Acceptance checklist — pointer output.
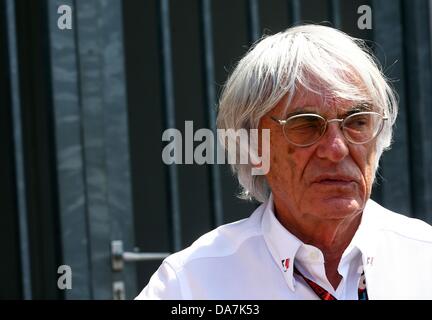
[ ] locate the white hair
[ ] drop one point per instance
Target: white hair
(310, 57)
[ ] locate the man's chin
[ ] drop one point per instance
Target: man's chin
(339, 206)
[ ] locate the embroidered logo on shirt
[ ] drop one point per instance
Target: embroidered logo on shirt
(285, 264)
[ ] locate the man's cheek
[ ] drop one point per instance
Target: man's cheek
(290, 149)
(292, 165)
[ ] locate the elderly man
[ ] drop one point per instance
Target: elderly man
(317, 235)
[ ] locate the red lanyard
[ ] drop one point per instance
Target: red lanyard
(325, 295)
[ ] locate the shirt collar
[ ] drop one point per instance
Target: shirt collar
(282, 244)
(285, 247)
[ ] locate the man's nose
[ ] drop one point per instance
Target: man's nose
(333, 145)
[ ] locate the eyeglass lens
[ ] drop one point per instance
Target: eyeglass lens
(357, 128)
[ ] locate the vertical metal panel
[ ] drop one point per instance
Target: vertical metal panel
(145, 115)
(335, 13)
(18, 143)
(70, 166)
(100, 46)
(92, 145)
(165, 30)
(92, 111)
(295, 10)
(395, 187)
(418, 63)
(11, 268)
(195, 186)
(116, 136)
(229, 47)
(39, 146)
(254, 20)
(430, 26)
(211, 105)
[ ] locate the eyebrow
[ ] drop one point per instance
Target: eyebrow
(359, 107)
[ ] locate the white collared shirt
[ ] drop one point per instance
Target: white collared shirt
(253, 259)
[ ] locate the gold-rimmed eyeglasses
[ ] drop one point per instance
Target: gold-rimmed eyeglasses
(303, 130)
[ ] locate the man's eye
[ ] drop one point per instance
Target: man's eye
(303, 123)
(310, 125)
(359, 122)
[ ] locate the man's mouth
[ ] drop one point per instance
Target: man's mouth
(334, 180)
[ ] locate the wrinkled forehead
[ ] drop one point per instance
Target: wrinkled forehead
(323, 101)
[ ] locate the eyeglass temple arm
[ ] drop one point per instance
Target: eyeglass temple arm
(278, 120)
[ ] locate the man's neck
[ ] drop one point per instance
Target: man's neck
(331, 236)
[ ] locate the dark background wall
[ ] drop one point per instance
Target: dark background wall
(82, 113)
